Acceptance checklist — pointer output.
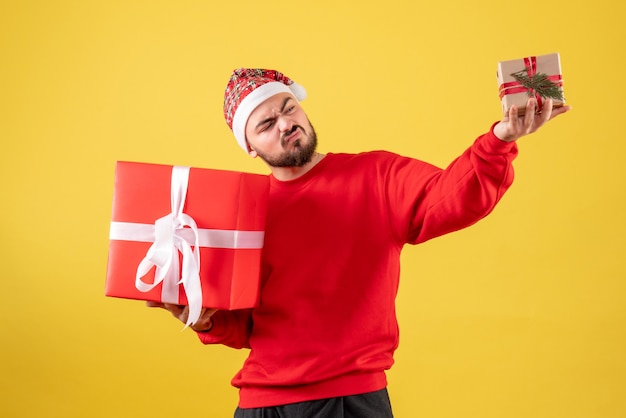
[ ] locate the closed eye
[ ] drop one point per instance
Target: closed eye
(265, 124)
(287, 107)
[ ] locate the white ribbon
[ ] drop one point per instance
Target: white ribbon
(163, 253)
(214, 238)
(174, 233)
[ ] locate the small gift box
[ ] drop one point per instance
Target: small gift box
(538, 77)
(187, 236)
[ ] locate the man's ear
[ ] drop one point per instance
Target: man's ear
(252, 153)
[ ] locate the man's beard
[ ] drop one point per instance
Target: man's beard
(302, 151)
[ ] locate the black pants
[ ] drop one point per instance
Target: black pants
(368, 405)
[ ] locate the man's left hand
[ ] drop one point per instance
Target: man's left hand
(512, 126)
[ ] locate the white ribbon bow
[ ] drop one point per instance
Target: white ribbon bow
(172, 237)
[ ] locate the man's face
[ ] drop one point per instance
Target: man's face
(280, 133)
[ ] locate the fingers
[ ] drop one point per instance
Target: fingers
(204, 322)
(176, 310)
(529, 116)
(512, 126)
(535, 117)
(205, 317)
(515, 126)
(546, 113)
(181, 312)
(207, 312)
(512, 115)
(559, 111)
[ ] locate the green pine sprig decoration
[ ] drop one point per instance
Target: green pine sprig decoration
(540, 84)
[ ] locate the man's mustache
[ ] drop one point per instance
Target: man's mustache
(291, 131)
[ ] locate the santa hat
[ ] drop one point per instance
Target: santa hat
(248, 88)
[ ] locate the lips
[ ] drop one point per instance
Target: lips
(292, 136)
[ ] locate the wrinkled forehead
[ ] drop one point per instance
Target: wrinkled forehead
(272, 106)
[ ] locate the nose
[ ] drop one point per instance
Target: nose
(285, 124)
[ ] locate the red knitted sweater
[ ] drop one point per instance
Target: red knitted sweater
(326, 325)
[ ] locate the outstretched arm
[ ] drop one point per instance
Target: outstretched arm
(470, 187)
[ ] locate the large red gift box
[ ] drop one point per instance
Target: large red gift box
(187, 236)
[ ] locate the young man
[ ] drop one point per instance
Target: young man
(325, 330)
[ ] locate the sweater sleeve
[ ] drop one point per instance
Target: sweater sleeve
(446, 200)
(230, 328)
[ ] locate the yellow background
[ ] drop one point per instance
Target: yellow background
(521, 315)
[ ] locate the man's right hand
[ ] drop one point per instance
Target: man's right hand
(203, 324)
